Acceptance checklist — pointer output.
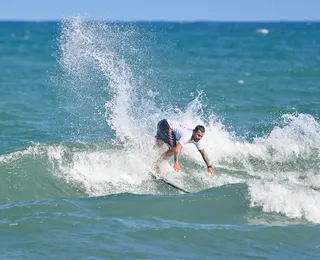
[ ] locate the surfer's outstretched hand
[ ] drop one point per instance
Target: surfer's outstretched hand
(176, 167)
(210, 170)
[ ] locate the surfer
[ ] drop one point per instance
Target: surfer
(176, 135)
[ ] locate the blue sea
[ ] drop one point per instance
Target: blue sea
(79, 105)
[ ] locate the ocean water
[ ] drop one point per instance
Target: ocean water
(79, 106)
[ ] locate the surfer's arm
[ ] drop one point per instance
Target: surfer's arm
(206, 160)
(177, 151)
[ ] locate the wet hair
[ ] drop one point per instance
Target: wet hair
(199, 127)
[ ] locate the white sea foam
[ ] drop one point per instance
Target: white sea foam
(287, 198)
(268, 163)
(262, 31)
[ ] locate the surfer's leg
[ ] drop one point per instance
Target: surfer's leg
(159, 143)
(167, 154)
(164, 135)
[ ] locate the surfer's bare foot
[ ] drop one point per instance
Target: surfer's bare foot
(156, 168)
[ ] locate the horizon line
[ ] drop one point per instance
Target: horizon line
(168, 20)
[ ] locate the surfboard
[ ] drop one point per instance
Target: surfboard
(169, 182)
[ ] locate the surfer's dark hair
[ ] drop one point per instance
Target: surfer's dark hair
(199, 127)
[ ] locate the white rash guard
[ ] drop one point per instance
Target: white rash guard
(184, 134)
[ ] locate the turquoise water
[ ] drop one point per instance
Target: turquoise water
(78, 110)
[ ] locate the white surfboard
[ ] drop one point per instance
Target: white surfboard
(168, 182)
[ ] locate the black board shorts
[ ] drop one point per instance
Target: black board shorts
(165, 133)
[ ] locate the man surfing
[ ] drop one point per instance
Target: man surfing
(176, 135)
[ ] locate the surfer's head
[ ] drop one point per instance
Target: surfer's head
(198, 133)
